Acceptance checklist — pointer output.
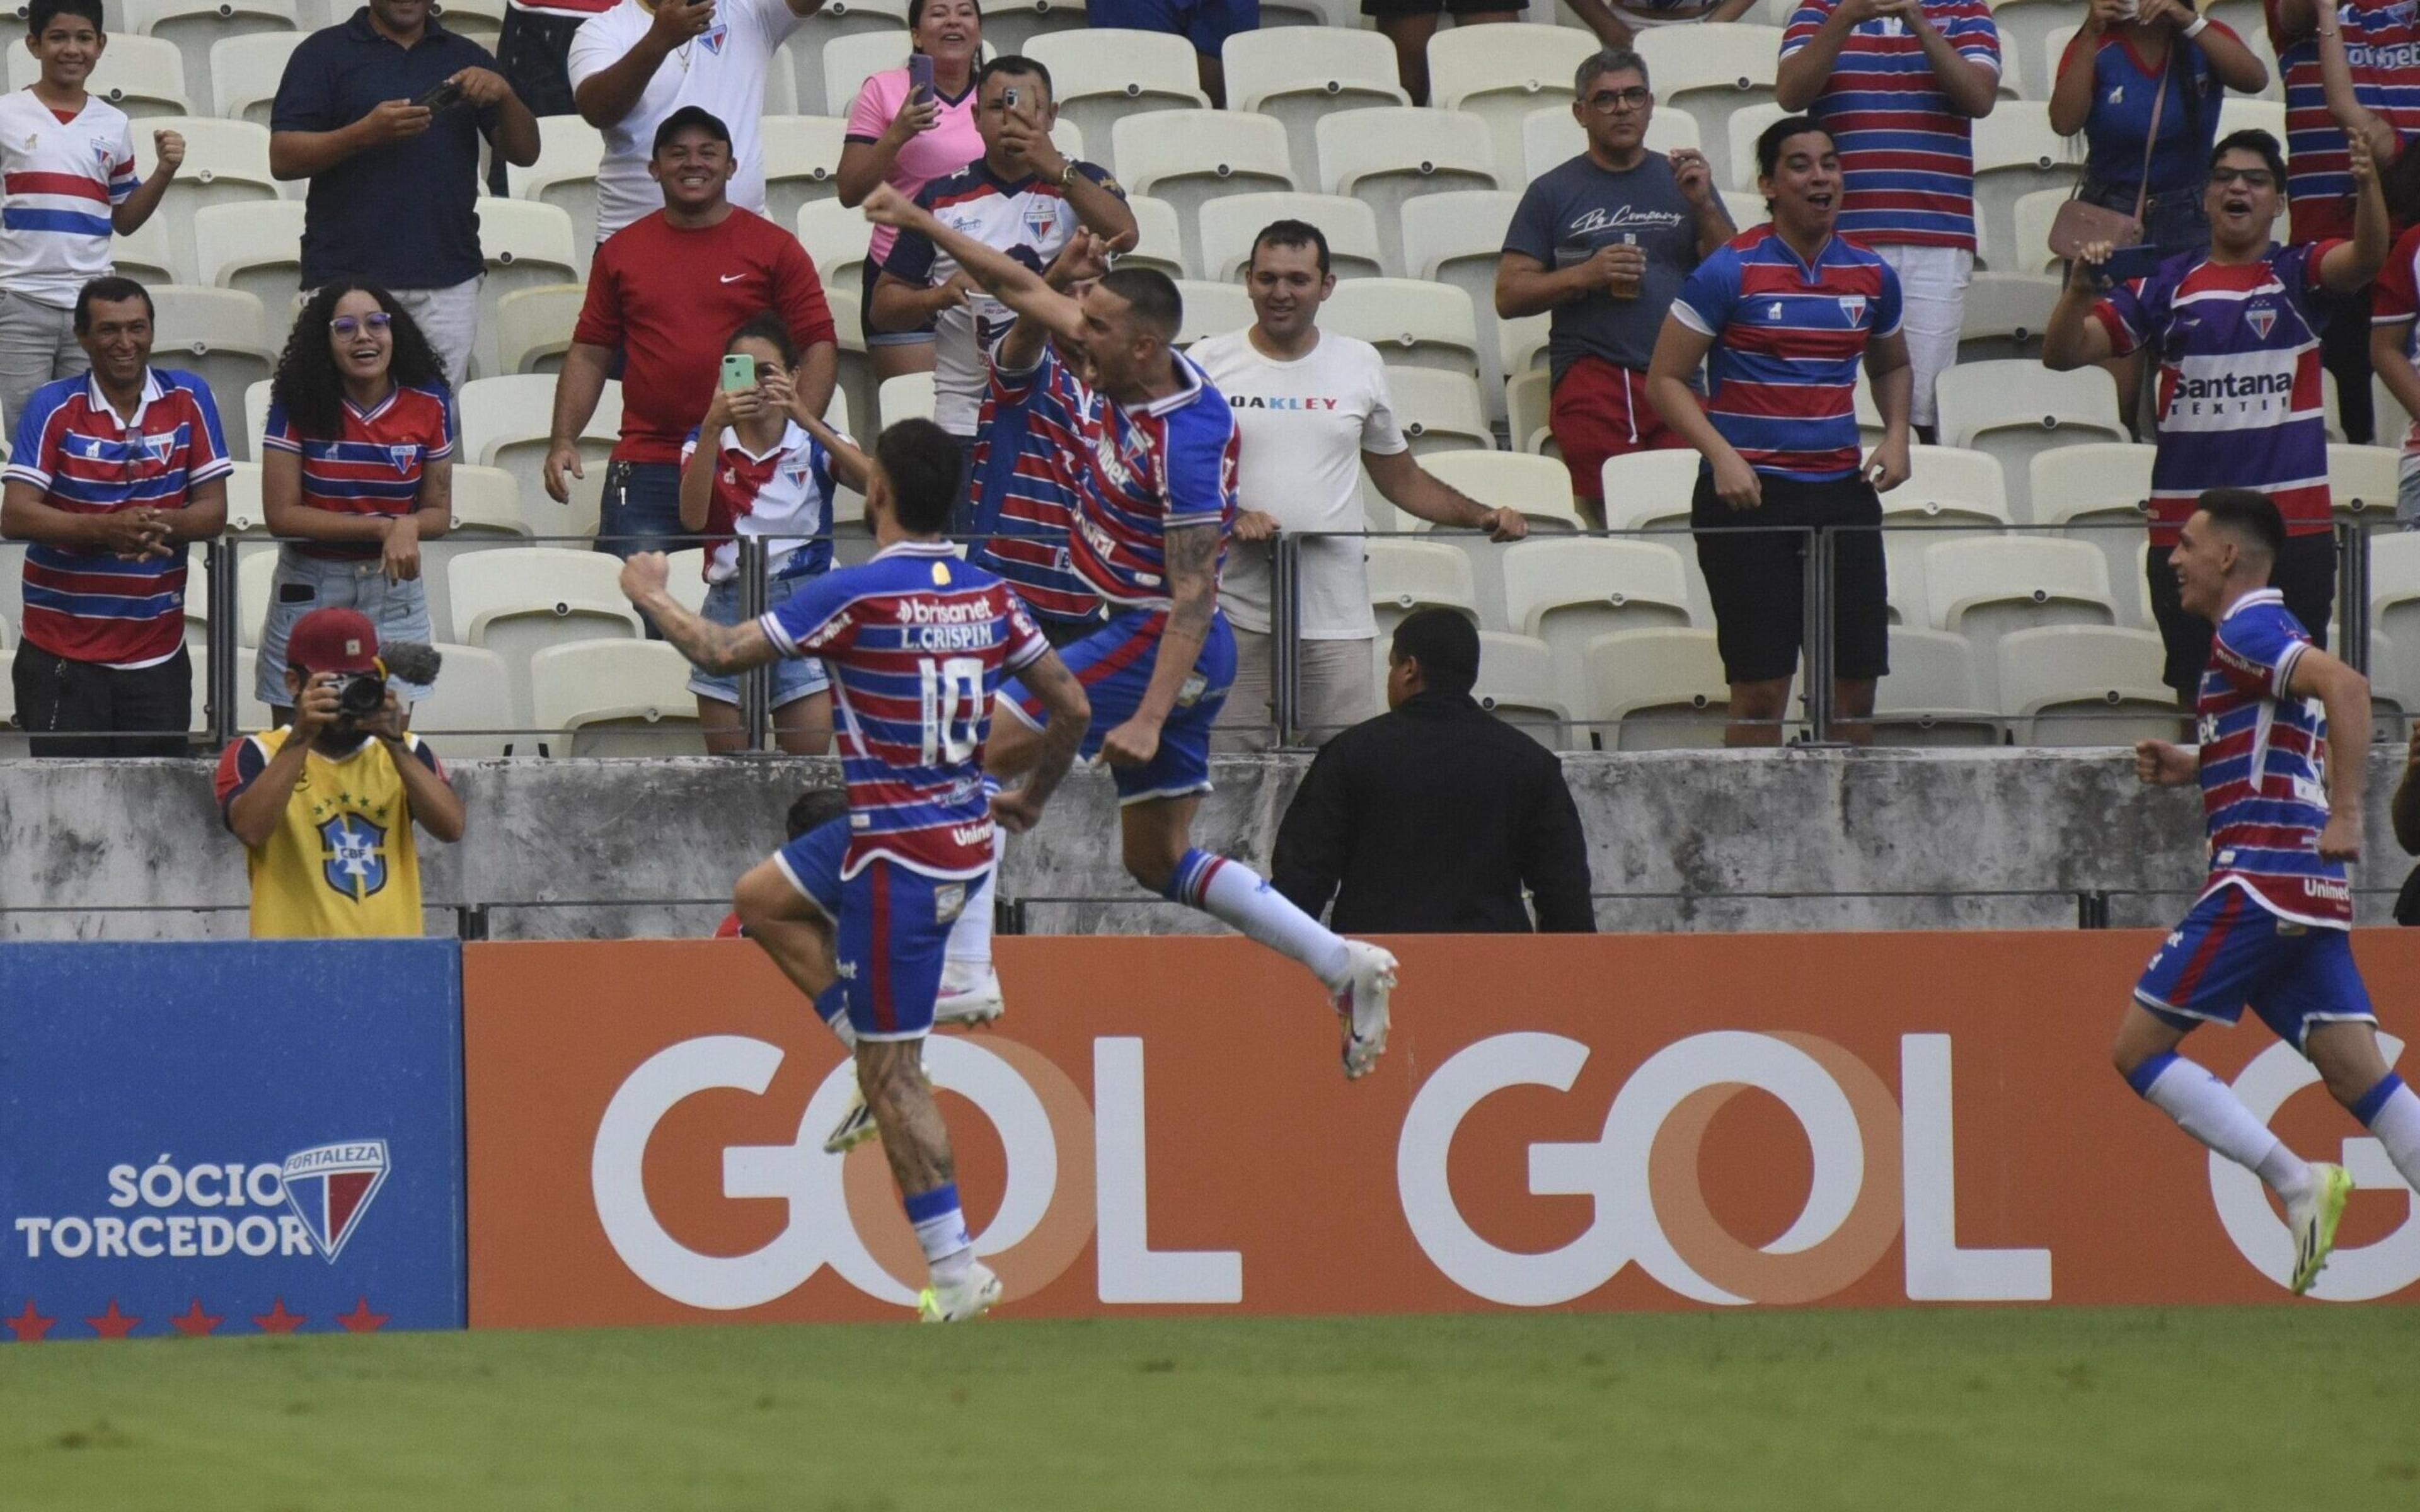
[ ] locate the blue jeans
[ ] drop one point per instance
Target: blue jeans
(793, 677)
(641, 510)
(399, 611)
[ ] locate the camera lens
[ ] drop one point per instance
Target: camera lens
(363, 695)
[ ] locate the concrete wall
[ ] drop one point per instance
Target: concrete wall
(1678, 840)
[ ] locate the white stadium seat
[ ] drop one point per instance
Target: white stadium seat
(615, 698)
(487, 504)
(257, 248)
(2025, 27)
(564, 174)
(1948, 485)
(1710, 70)
(834, 66)
(469, 713)
(1528, 405)
(801, 161)
(1106, 74)
(1413, 324)
(1503, 73)
(220, 334)
(226, 162)
(1741, 131)
(151, 254)
(907, 396)
(2016, 154)
(193, 26)
(142, 76)
(517, 601)
(1568, 594)
(534, 327)
(1517, 685)
(1408, 576)
(1657, 690)
(254, 424)
(1536, 486)
(2098, 493)
(1211, 309)
(837, 238)
(1932, 696)
(2033, 216)
(2239, 113)
(1232, 223)
(505, 421)
(1647, 489)
(2394, 614)
(1159, 237)
(245, 70)
(2362, 481)
(1296, 74)
(1187, 157)
(2016, 410)
(1437, 412)
(527, 245)
(1984, 587)
(1457, 238)
(2078, 685)
(2004, 317)
(1387, 156)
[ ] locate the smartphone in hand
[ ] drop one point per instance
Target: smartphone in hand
(738, 372)
(445, 94)
(920, 76)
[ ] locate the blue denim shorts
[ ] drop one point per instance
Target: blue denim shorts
(793, 677)
(399, 611)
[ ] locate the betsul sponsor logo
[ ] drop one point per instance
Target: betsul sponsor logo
(1880, 1169)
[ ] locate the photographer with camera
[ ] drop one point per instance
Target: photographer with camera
(325, 806)
(383, 113)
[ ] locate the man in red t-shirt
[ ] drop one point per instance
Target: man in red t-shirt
(667, 291)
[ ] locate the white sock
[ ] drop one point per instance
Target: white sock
(832, 1005)
(1237, 896)
(2392, 1110)
(942, 1230)
(2207, 1109)
(969, 943)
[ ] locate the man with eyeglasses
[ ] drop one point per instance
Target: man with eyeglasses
(112, 474)
(1601, 245)
(2236, 330)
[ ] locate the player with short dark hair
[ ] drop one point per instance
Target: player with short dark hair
(916, 642)
(2281, 783)
(1152, 470)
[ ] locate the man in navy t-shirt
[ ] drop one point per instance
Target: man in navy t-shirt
(1601, 243)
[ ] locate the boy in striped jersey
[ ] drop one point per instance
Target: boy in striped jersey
(1152, 470)
(2283, 752)
(916, 642)
(66, 170)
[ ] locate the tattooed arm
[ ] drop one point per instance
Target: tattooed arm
(718, 649)
(1192, 560)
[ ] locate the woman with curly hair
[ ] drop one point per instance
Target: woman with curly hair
(357, 469)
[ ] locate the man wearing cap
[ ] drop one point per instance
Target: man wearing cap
(325, 806)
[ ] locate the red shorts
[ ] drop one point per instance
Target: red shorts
(1600, 412)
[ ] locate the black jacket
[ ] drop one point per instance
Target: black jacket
(1429, 819)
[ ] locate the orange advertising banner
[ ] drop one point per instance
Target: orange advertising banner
(1608, 1122)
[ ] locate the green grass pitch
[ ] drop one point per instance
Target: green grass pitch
(2274, 1409)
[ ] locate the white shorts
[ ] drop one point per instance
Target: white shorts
(1932, 293)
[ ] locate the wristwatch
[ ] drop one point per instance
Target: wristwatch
(1068, 174)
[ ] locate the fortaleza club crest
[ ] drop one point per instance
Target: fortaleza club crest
(403, 456)
(1853, 307)
(331, 1187)
(2262, 319)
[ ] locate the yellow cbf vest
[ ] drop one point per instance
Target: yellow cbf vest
(341, 863)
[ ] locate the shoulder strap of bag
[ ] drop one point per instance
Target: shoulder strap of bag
(2152, 140)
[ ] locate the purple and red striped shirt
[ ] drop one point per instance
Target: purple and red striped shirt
(1907, 158)
(2381, 41)
(90, 606)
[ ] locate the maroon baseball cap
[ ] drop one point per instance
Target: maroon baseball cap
(334, 641)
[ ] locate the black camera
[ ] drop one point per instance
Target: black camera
(360, 695)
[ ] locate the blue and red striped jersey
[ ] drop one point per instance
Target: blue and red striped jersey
(2239, 401)
(916, 641)
(88, 605)
(1907, 158)
(1025, 499)
(2381, 41)
(1788, 338)
(2264, 790)
(375, 467)
(1137, 473)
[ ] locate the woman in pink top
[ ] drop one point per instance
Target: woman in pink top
(908, 142)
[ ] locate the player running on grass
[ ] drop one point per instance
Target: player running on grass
(1153, 475)
(2281, 784)
(917, 642)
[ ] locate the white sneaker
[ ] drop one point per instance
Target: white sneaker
(855, 1128)
(962, 1303)
(2314, 1221)
(969, 994)
(1362, 1004)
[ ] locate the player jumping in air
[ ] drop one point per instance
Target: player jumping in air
(916, 642)
(2281, 785)
(1153, 473)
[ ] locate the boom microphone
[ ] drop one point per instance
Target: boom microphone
(409, 661)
